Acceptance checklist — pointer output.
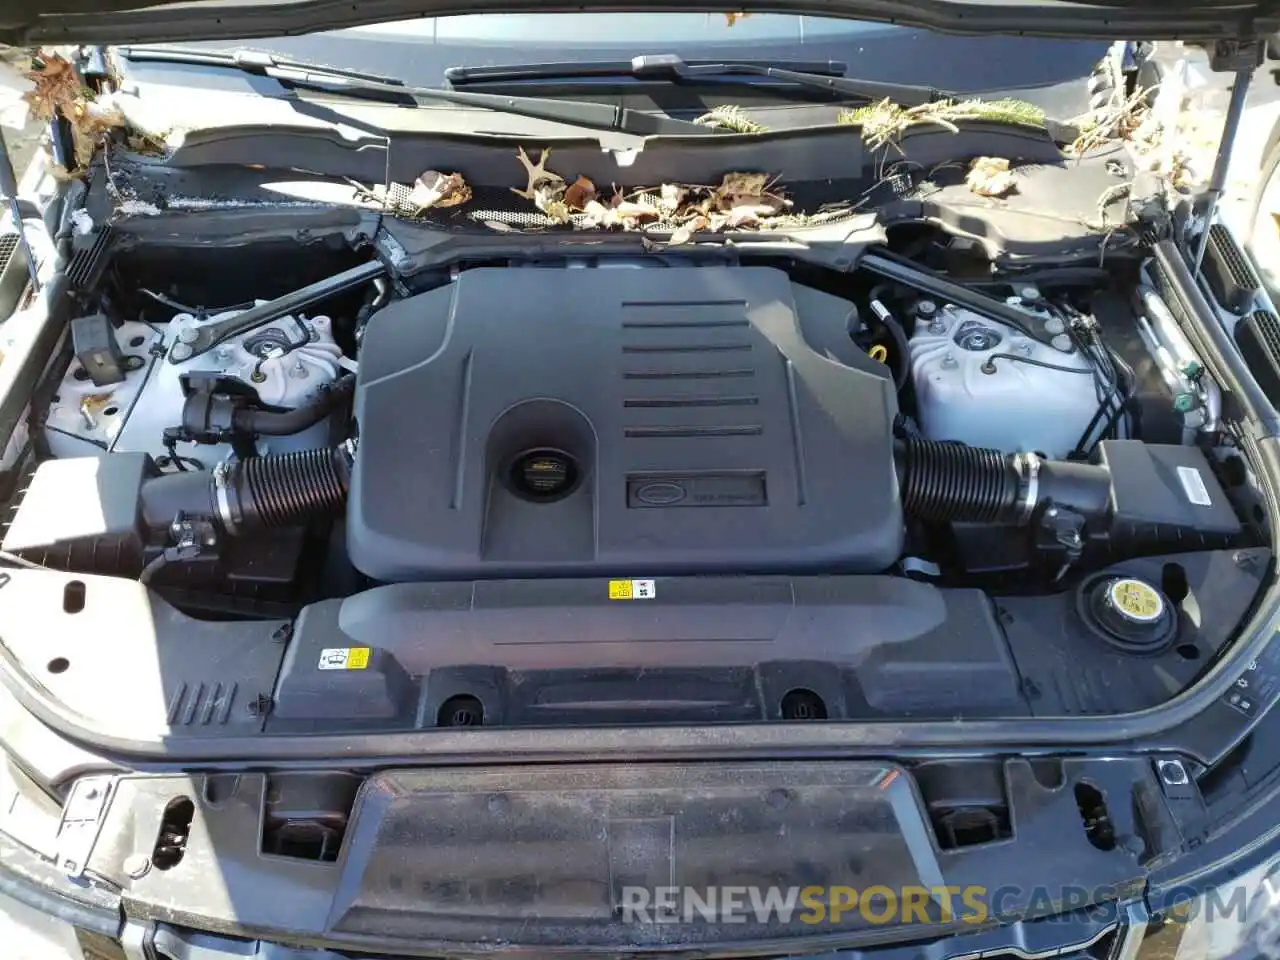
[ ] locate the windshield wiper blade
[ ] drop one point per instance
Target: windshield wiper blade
(578, 113)
(574, 69)
(827, 76)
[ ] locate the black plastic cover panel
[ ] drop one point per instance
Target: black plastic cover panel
(566, 421)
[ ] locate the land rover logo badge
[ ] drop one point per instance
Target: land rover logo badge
(661, 493)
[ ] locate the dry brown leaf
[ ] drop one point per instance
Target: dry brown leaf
(56, 87)
(671, 197)
(579, 193)
(749, 214)
(549, 198)
(545, 188)
(732, 18)
(537, 173)
(735, 185)
(59, 92)
(436, 189)
(629, 214)
(990, 177)
(596, 214)
(684, 233)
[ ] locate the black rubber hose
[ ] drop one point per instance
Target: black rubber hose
(953, 482)
(286, 489)
(282, 490)
(285, 423)
(956, 483)
(884, 316)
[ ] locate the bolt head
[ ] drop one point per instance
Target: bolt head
(136, 865)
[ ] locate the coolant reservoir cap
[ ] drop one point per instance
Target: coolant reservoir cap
(1135, 600)
(1129, 613)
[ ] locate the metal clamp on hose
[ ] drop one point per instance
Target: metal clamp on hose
(957, 483)
(1028, 467)
(220, 482)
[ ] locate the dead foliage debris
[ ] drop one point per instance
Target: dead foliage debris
(732, 117)
(58, 92)
(1119, 121)
(884, 122)
(990, 177)
(435, 189)
(740, 201)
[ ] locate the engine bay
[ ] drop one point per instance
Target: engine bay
(895, 474)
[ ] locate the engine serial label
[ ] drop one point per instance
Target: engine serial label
(632, 590)
(344, 658)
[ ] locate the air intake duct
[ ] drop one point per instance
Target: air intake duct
(260, 493)
(957, 483)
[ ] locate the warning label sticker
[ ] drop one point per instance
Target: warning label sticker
(344, 658)
(1193, 486)
(632, 590)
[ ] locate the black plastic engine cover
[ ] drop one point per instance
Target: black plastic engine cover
(566, 421)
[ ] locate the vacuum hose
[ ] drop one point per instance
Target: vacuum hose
(957, 483)
(281, 490)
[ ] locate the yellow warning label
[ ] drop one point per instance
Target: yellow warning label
(1137, 600)
(344, 658)
(632, 590)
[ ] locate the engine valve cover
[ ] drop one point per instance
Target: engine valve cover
(570, 421)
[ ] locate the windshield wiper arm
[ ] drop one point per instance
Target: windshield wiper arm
(578, 113)
(822, 75)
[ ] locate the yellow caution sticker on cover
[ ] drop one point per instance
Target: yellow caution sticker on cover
(1136, 600)
(632, 590)
(345, 658)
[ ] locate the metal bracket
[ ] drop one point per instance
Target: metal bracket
(82, 817)
(1232, 56)
(194, 341)
(138, 940)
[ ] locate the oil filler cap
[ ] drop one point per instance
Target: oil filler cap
(1129, 613)
(544, 475)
